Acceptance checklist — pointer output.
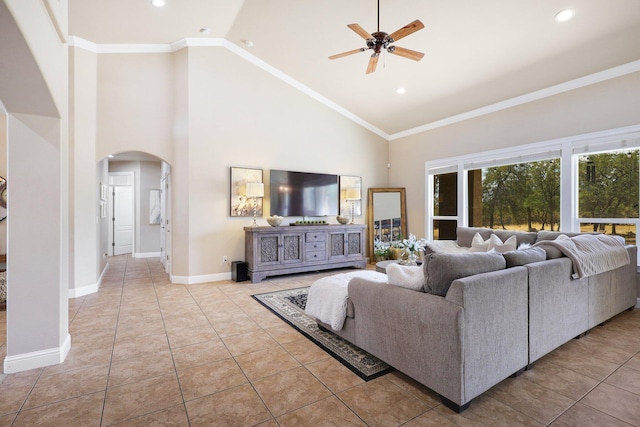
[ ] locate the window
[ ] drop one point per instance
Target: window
(585, 183)
(523, 196)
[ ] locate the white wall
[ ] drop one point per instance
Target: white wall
(3, 173)
(606, 105)
(34, 92)
(84, 207)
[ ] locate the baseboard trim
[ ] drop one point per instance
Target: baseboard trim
(146, 255)
(88, 289)
(37, 359)
(191, 280)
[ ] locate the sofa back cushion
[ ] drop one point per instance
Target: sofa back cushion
(465, 235)
(440, 269)
(525, 256)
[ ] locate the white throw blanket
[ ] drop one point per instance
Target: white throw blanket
(327, 299)
(591, 253)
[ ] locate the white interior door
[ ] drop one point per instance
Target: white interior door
(122, 219)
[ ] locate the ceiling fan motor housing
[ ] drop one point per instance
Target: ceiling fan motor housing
(380, 40)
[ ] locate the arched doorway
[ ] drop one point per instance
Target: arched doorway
(139, 206)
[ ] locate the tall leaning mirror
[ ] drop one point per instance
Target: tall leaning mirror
(386, 216)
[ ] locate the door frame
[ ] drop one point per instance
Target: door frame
(132, 180)
(165, 240)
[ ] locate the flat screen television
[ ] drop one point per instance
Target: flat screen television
(303, 193)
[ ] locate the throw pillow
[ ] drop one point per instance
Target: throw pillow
(524, 256)
(478, 244)
(441, 269)
(406, 276)
(499, 246)
(521, 236)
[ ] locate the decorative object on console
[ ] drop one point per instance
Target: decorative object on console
(239, 204)
(342, 219)
(274, 220)
(255, 190)
(352, 195)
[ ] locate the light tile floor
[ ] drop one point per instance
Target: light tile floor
(146, 352)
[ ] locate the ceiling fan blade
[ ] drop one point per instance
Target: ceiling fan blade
(360, 31)
(407, 53)
(372, 63)
(406, 30)
(351, 52)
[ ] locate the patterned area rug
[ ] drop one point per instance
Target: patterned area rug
(289, 306)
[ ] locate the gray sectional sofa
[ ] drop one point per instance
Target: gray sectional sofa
(486, 326)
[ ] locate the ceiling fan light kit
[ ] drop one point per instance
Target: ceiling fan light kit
(380, 41)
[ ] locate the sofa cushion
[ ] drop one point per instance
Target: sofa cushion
(406, 276)
(433, 246)
(525, 256)
(440, 269)
(465, 234)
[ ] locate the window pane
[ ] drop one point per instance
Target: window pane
(608, 185)
(524, 196)
(628, 231)
(445, 194)
(444, 229)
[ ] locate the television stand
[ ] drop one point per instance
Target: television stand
(274, 251)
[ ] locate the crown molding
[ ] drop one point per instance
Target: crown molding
(219, 42)
(590, 79)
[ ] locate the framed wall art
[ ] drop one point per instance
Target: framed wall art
(350, 192)
(154, 207)
(240, 204)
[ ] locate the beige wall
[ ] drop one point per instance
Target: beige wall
(84, 205)
(606, 105)
(204, 110)
(135, 104)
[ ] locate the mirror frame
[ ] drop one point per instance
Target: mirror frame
(370, 214)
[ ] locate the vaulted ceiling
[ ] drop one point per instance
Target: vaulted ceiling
(477, 53)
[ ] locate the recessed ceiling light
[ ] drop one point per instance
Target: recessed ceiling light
(158, 3)
(565, 15)
(401, 90)
(247, 43)
(110, 156)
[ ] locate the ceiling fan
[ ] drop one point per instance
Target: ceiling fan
(381, 40)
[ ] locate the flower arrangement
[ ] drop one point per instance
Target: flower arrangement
(380, 250)
(414, 244)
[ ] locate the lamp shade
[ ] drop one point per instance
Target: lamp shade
(352, 194)
(255, 189)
